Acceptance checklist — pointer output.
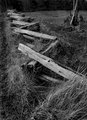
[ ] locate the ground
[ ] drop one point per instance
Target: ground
(21, 91)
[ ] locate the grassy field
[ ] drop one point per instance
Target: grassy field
(54, 17)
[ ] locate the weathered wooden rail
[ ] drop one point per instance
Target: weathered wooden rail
(35, 34)
(49, 63)
(21, 23)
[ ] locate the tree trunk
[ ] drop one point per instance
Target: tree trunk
(74, 1)
(75, 12)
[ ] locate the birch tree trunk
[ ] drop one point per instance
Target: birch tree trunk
(75, 12)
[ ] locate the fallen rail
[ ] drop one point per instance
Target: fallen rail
(35, 34)
(49, 63)
(24, 23)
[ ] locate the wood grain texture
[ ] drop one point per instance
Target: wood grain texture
(35, 34)
(49, 63)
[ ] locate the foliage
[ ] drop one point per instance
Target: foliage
(42, 4)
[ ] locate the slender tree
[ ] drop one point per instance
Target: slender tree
(75, 12)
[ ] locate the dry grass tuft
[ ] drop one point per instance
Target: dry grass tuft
(67, 103)
(23, 95)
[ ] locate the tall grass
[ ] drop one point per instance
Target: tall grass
(23, 93)
(67, 103)
(22, 96)
(20, 93)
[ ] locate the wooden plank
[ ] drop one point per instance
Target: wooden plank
(49, 63)
(52, 45)
(29, 37)
(32, 63)
(24, 23)
(27, 19)
(30, 45)
(35, 34)
(15, 33)
(48, 78)
(23, 27)
(11, 11)
(15, 17)
(15, 14)
(20, 18)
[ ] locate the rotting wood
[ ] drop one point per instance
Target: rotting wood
(30, 45)
(15, 32)
(49, 63)
(48, 78)
(16, 17)
(11, 11)
(27, 19)
(33, 62)
(30, 64)
(20, 18)
(32, 27)
(23, 27)
(29, 37)
(24, 23)
(12, 27)
(52, 45)
(35, 34)
(15, 14)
